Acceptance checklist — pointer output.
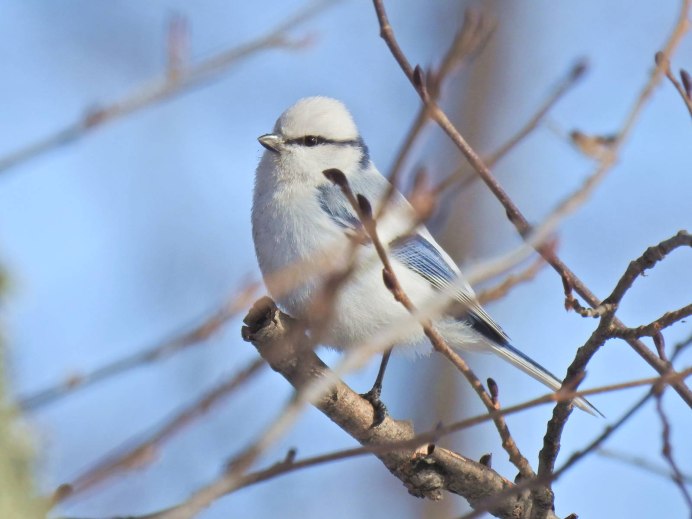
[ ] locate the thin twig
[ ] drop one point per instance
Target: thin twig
(663, 61)
(654, 327)
(640, 462)
(667, 447)
(417, 79)
(469, 41)
(142, 451)
(362, 207)
(165, 349)
(604, 331)
(502, 289)
(576, 72)
(167, 86)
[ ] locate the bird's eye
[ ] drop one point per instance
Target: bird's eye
(310, 140)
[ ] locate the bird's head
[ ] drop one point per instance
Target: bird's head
(315, 134)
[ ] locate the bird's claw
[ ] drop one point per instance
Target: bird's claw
(378, 407)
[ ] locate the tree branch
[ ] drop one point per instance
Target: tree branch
(165, 87)
(426, 472)
(165, 349)
(361, 205)
(604, 331)
(142, 452)
(417, 79)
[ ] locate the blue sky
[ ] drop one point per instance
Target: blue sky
(140, 228)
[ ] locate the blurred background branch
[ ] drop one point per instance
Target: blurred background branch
(120, 239)
(178, 79)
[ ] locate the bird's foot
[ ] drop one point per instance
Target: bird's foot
(380, 410)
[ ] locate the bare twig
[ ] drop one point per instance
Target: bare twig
(143, 450)
(667, 447)
(417, 79)
(502, 289)
(362, 207)
(640, 462)
(663, 62)
(350, 413)
(604, 331)
(654, 327)
(167, 86)
(568, 82)
(469, 40)
(646, 261)
(196, 335)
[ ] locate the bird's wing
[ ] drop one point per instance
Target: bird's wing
(333, 202)
(367, 182)
(423, 256)
(418, 251)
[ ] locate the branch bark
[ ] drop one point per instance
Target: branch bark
(426, 471)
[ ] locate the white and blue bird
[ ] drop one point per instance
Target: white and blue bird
(298, 215)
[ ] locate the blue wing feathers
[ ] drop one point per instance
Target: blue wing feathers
(423, 258)
(333, 202)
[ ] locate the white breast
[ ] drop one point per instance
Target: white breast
(293, 238)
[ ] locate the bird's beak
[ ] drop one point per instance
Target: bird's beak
(270, 141)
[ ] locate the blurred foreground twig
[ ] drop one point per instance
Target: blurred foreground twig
(169, 85)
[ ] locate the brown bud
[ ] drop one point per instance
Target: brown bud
(686, 82)
(579, 69)
(365, 207)
(290, 456)
(494, 390)
(418, 77)
(389, 279)
(487, 460)
(661, 59)
(660, 344)
(336, 177)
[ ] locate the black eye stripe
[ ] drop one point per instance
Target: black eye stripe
(315, 140)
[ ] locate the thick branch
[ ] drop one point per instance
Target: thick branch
(425, 472)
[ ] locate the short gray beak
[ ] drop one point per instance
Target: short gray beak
(270, 141)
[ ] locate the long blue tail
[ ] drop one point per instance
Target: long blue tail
(531, 367)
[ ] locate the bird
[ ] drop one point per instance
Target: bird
(298, 215)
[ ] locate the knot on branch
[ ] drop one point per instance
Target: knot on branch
(277, 337)
(426, 479)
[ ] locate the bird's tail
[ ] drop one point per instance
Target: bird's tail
(531, 367)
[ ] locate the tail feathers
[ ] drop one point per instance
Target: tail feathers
(531, 367)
